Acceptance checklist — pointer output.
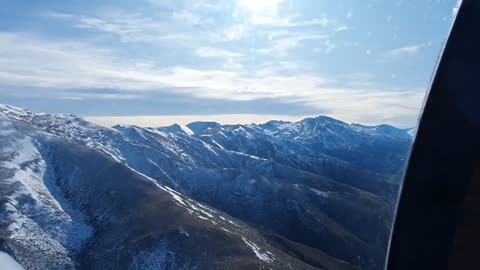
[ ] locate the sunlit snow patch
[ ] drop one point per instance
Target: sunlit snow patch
(264, 256)
(8, 263)
(35, 216)
(319, 192)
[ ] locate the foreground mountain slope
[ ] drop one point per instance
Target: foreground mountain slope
(305, 207)
(67, 206)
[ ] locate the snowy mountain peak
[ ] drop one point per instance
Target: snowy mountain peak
(23, 114)
(411, 131)
(274, 125)
(121, 127)
(11, 108)
(177, 128)
(13, 111)
(322, 119)
(199, 126)
(383, 129)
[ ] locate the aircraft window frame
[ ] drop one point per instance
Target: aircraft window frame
(444, 156)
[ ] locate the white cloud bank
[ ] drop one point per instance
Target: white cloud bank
(29, 61)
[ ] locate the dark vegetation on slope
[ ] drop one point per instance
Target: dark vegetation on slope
(130, 213)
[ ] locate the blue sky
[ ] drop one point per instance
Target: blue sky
(230, 60)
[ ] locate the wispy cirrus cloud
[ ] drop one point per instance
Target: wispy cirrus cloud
(190, 18)
(342, 28)
(289, 22)
(180, 28)
(135, 26)
(404, 50)
(215, 52)
(281, 45)
(407, 50)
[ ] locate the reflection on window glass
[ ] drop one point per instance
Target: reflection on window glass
(239, 134)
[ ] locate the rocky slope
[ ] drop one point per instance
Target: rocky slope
(314, 193)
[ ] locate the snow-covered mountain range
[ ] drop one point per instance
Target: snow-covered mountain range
(316, 194)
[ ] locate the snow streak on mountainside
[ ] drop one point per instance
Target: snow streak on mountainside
(319, 190)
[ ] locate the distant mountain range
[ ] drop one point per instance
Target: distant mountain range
(315, 194)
